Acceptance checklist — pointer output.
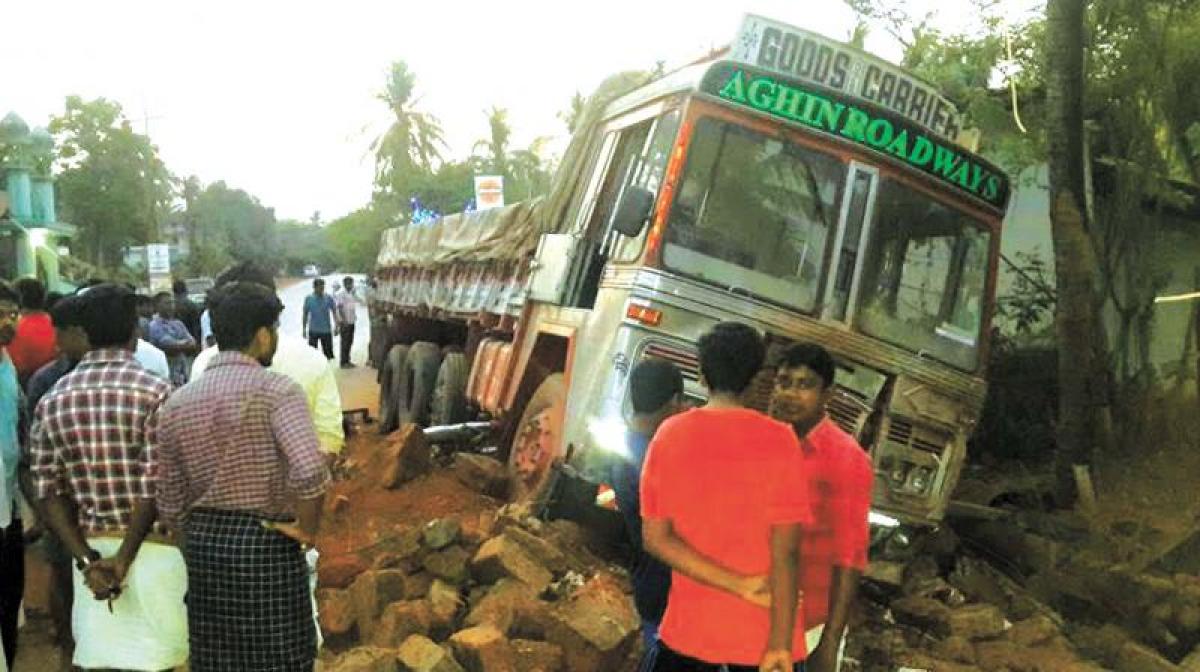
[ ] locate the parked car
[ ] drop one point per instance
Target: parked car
(312, 271)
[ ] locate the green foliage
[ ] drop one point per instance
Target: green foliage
(226, 225)
(354, 239)
(111, 182)
(303, 243)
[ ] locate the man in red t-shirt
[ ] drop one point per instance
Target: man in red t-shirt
(724, 497)
(840, 473)
(34, 344)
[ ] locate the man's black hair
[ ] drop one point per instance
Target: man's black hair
(163, 295)
(245, 271)
(7, 293)
(731, 354)
(67, 312)
(179, 287)
(92, 282)
(142, 299)
(239, 310)
(53, 298)
(814, 357)
(32, 292)
(652, 383)
(319, 281)
(108, 315)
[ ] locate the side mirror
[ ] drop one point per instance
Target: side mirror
(632, 210)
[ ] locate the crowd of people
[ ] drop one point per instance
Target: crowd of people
(160, 468)
(751, 529)
(163, 469)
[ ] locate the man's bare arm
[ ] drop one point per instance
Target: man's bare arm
(784, 582)
(661, 541)
(842, 591)
(62, 522)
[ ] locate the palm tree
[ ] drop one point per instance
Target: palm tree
(495, 146)
(413, 141)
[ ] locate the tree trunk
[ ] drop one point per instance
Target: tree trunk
(1082, 394)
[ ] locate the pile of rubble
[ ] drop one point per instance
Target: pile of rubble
(496, 592)
(948, 609)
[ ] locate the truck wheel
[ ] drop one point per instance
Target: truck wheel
(389, 389)
(449, 392)
(420, 375)
(377, 347)
(537, 442)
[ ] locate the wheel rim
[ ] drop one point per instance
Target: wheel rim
(534, 450)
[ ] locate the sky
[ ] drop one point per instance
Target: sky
(279, 98)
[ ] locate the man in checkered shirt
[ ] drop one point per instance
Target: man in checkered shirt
(92, 441)
(242, 479)
(834, 547)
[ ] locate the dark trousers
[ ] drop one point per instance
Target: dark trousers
(346, 340)
(326, 341)
(667, 660)
(12, 585)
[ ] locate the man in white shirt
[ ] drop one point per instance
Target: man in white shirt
(346, 309)
(296, 360)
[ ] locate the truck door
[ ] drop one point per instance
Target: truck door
(850, 241)
(638, 155)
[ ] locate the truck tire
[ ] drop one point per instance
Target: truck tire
(389, 388)
(537, 443)
(449, 404)
(377, 347)
(419, 377)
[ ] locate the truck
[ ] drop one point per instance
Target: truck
(787, 181)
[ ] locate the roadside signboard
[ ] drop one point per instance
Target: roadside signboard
(489, 191)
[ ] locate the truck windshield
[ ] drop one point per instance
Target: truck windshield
(754, 213)
(924, 278)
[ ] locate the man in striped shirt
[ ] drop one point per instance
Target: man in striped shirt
(93, 442)
(243, 480)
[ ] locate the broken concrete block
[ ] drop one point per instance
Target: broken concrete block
(977, 621)
(421, 654)
(449, 564)
(444, 602)
(371, 592)
(407, 456)
(996, 654)
(886, 572)
(1192, 662)
(483, 649)
(1033, 630)
(923, 612)
(366, 659)
(440, 533)
(543, 551)
(418, 585)
(956, 649)
(534, 656)
(595, 628)
(481, 473)
(1137, 658)
(340, 572)
(503, 605)
(400, 621)
(335, 611)
(502, 556)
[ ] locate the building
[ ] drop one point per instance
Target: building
(31, 237)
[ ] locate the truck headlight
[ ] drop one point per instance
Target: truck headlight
(919, 479)
(608, 434)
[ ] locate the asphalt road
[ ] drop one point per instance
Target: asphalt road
(293, 296)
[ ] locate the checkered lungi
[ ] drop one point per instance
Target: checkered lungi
(248, 601)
